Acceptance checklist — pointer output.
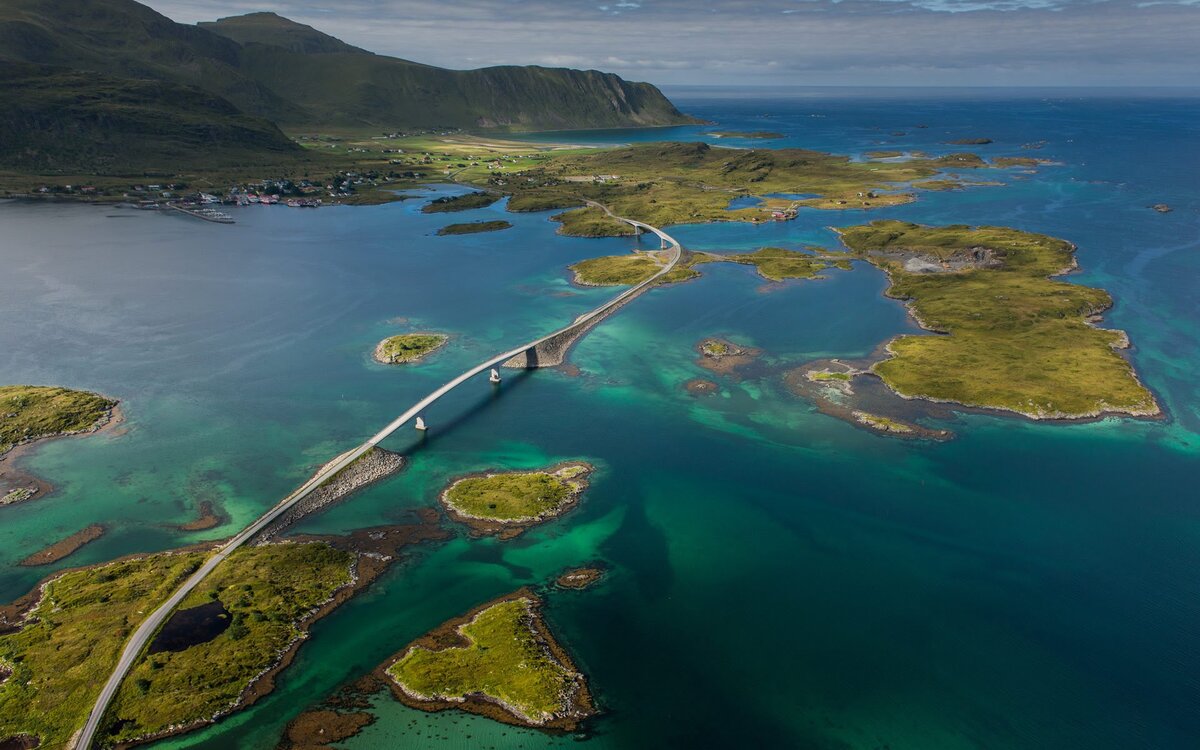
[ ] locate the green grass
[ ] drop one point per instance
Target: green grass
(591, 222)
(1018, 340)
(267, 590)
(613, 270)
(467, 202)
(60, 659)
(408, 347)
(673, 183)
(513, 496)
(503, 661)
(28, 412)
(715, 348)
(474, 227)
(534, 201)
(829, 376)
(881, 423)
(777, 263)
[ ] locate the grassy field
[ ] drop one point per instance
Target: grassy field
(504, 659)
(29, 412)
(1017, 339)
(451, 203)
(408, 347)
(614, 270)
(517, 495)
(777, 263)
(268, 590)
(62, 656)
(591, 222)
(474, 227)
(672, 183)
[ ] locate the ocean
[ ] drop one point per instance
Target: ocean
(776, 577)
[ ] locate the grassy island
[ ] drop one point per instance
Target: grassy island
(408, 347)
(777, 263)
(474, 227)
(675, 183)
(512, 501)
(31, 412)
(452, 203)
(1016, 339)
(634, 268)
(500, 661)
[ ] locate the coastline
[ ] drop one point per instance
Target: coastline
(379, 358)
(1091, 318)
(513, 527)
(375, 550)
(449, 635)
(14, 477)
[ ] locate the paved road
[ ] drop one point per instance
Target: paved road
(141, 637)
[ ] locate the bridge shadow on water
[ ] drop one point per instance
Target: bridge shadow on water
(437, 430)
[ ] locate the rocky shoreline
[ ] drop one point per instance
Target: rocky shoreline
(374, 466)
(725, 357)
(577, 697)
(18, 485)
(511, 528)
(375, 550)
(1092, 318)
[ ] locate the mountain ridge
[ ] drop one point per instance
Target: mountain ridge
(293, 74)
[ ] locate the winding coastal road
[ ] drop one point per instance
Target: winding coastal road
(142, 636)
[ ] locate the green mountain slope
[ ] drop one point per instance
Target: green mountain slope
(290, 73)
(125, 39)
(60, 121)
(337, 83)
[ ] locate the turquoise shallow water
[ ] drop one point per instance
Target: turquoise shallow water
(778, 578)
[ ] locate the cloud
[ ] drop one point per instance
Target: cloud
(869, 42)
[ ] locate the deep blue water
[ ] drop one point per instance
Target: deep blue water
(778, 577)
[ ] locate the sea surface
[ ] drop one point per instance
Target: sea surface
(777, 578)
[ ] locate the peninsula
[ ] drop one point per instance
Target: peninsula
(499, 660)
(1013, 337)
(29, 413)
(218, 653)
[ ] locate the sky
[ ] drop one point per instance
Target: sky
(773, 42)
